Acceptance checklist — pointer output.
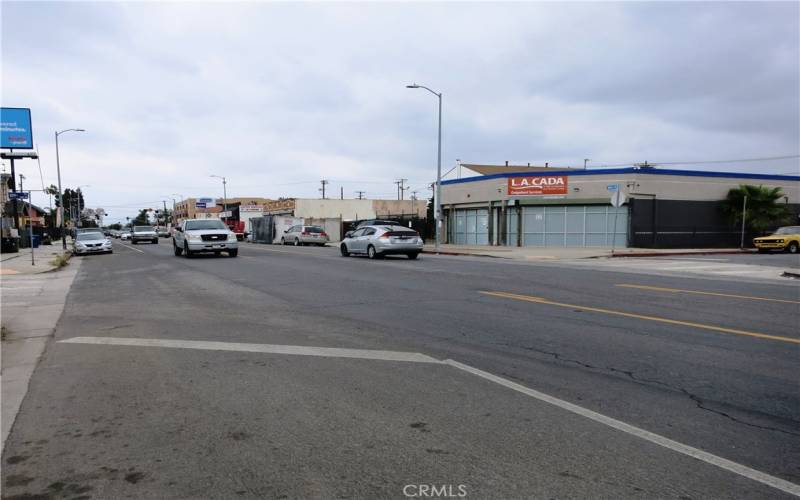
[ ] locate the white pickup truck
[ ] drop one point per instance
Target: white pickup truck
(204, 235)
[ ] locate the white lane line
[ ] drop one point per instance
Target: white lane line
(742, 470)
(330, 352)
(134, 249)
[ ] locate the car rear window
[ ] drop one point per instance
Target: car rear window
(314, 229)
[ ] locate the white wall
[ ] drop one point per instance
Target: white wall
(325, 209)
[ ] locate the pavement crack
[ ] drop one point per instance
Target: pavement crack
(699, 402)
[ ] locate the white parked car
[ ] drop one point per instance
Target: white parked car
(86, 243)
(377, 241)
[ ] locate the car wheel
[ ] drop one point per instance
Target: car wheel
(233, 253)
(155, 241)
(297, 242)
(178, 250)
(793, 247)
(344, 251)
(133, 242)
(283, 242)
(187, 251)
(372, 253)
(413, 255)
(217, 254)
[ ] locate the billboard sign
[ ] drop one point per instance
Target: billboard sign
(15, 128)
(18, 195)
(203, 202)
(537, 185)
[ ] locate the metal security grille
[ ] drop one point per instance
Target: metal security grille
(571, 226)
(471, 227)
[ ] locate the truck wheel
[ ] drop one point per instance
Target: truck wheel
(793, 247)
(155, 241)
(233, 253)
(178, 250)
(133, 242)
(187, 251)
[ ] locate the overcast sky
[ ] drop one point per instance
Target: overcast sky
(277, 96)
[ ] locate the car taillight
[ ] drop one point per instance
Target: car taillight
(305, 233)
(323, 233)
(386, 236)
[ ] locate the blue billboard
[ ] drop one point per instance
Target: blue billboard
(15, 128)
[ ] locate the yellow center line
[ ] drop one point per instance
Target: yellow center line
(698, 292)
(540, 300)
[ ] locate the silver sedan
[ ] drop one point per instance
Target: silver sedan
(86, 243)
(377, 241)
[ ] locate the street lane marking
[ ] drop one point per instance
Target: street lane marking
(421, 358)
(329, 352)
(742, 470)
(698, 292)
(539, 300)
(134, 249)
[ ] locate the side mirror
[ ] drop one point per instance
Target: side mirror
(285, 231)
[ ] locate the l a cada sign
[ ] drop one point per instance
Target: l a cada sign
(537, 185)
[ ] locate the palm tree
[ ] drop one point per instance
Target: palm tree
(763, 208)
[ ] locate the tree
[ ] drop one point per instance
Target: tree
(765, 209)
(143, 219)
(116, 226)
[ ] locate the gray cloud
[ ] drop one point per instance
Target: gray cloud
(278, 96)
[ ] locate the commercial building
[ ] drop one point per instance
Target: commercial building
(538, 206)
(187, 208)
(315, 208)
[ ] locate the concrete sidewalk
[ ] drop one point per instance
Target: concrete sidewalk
(558, 253)
(20, 262)
(31, 305)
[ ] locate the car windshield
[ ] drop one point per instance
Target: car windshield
(205, 224)
(143, 228)
(788, 230)
(89, 236)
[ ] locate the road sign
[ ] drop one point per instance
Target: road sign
(15, 128)
(19, 195)
(617, 199)
(199, 204)
(613, 188)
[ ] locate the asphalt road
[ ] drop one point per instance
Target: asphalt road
(207, 411)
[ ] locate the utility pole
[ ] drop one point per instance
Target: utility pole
(400, 188)
(744, 217)
(360, 194)
(324, 183)
(341, 193)
(414, 195)
(585, 161)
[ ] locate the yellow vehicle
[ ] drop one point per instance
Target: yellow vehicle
(785, 238)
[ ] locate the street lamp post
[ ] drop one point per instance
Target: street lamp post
(224, 196)
(437, 207)
(60, 191)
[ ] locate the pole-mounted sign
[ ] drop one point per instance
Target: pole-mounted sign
(15, 128)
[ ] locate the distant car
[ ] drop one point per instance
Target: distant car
(162, 232)
(377, 241)
(304, 235)
(91, 242)
(88, 230)
(377, 222)
(784, 238)
(125, 235)
(204, 235)
(143, 233)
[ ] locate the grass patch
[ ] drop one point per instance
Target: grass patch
(60, 261)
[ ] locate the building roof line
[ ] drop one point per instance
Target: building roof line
(638, 171)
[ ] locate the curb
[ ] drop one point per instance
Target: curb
(666, 254)
(434, 252)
